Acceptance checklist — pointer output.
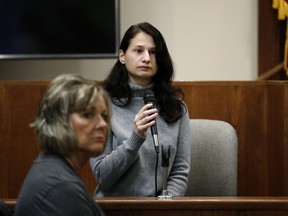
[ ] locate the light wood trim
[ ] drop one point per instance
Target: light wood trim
(272, 72)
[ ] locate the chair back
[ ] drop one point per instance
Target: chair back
(213, 167)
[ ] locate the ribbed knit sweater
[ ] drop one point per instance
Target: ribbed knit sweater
(127, 166)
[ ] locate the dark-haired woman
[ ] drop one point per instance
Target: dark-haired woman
(128, 165)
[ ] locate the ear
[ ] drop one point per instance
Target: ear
(121, 56)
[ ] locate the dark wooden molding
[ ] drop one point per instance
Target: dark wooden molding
(271, 39)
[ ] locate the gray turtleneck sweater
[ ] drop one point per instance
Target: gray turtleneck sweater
(127, 166)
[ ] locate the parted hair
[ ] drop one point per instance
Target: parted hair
(65, 95)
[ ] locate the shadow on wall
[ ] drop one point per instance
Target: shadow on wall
(36, 69)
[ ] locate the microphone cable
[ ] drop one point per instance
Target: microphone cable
(156, 168)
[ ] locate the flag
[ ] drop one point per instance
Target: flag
(282, 7)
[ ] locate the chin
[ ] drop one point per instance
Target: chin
(97, 151)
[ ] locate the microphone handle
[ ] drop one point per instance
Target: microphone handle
(154, 133)
(156, 143)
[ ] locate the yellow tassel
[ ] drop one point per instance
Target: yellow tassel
(286, 8)
(275, 4)
(282, 7)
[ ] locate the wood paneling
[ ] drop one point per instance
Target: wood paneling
(257, 110)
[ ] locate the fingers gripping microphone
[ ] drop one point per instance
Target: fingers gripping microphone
(150, 98)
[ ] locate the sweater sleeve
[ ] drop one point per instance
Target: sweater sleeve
(113, 163)
(178, 176)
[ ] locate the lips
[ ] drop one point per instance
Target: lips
(99, 139)
(144, 68)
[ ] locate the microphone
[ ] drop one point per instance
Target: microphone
(150, 98)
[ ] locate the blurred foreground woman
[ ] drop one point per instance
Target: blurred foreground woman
(72, 124)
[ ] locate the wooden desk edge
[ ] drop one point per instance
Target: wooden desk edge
(186, 203)
(194, 203)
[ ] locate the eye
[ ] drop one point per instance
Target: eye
(105, 116)
(138, 51)
(153, 52)
(88, 115)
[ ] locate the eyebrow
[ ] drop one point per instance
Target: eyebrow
(140, 46)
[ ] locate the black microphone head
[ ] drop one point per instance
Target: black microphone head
(149, 97)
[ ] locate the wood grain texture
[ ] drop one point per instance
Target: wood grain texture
(256, 109)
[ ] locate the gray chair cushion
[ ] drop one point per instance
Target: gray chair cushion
(214, 150)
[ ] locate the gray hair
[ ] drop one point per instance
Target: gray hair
(65, 94)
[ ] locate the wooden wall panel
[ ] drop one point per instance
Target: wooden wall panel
(19, 144)
(285, 153)
(257, 110)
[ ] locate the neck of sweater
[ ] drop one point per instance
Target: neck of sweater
(138, 90)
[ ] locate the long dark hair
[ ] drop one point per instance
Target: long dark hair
(167, 95)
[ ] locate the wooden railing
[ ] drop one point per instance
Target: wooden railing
(258, 110)
(204, 206)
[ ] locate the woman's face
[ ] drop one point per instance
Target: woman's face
(91, 128)
(140, 59)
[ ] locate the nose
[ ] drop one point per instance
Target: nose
(146, 56)
(100, 123)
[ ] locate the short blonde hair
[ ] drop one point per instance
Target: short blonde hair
(66, 94)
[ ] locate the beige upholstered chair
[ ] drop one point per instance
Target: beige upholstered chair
(214, 149)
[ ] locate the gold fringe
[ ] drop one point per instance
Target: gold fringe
(282, 6)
